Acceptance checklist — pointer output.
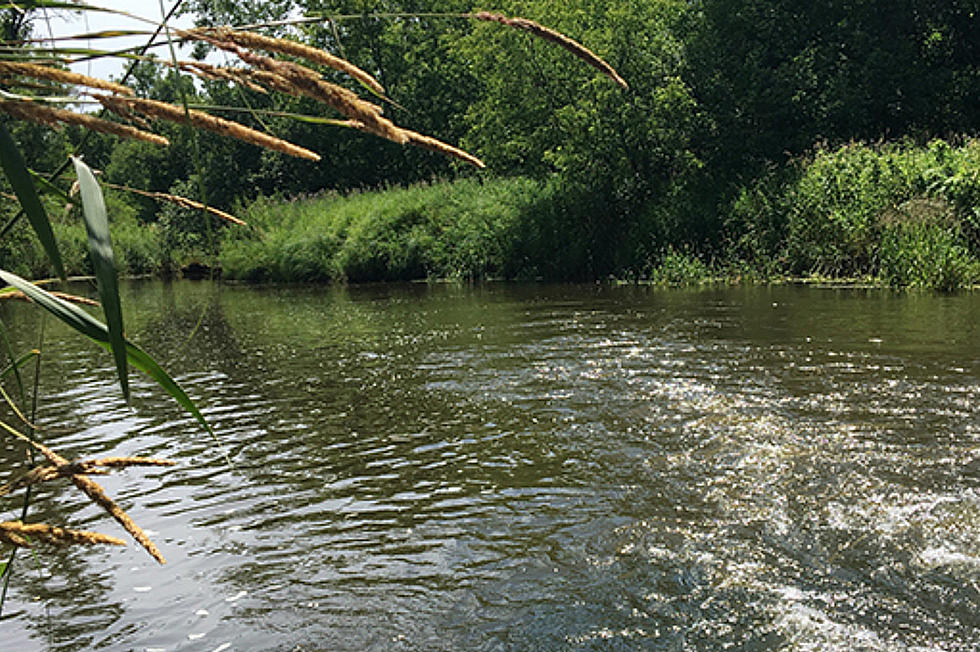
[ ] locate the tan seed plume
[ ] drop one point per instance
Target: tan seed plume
(19, 534)
(97, 494)
(34, 112)
(181, 201)
(17, 295)
(201, 120)
(42, 474)
(207, 71)
(295, 79)
(292, 48)
(61, 76)
(435, 145)
(125, 462)
(123, 112)
(558, 38)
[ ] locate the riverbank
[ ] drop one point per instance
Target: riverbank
(898, 215)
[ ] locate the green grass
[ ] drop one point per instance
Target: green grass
(898, 214)
(137, 247)
(460, 230)
(906, 215)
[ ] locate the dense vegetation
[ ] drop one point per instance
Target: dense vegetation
(736, 151)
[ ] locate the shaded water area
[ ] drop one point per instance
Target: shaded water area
(522, 467)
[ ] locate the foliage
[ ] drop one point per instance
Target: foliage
(726, 101)
(613, 159)
(923, 255)
(459, 230)
(779, 76)
(678, 268)
(903, 212)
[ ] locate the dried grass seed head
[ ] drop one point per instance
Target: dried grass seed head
(556, 37)
(20, 534)
(201, 120)
(35, 112)
(255, 41)
(50, 73)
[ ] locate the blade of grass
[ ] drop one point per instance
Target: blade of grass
(103, 260)
(14, 363)
(20, 180)
(47, 186)
(95, 330)
(17, 364)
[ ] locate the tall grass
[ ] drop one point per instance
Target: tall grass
(903, 214)
(464, 229)
(138, 247)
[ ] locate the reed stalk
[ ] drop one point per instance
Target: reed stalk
(548, 34)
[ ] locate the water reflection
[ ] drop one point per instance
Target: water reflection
(439, 467)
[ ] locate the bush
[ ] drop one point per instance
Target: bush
(680, 269)
(921, 247)
(906, 214)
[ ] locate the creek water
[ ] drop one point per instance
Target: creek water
(510, 467)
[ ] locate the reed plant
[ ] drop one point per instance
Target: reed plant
(901, 213)
(35, 87)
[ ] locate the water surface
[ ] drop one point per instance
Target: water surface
(520, 467)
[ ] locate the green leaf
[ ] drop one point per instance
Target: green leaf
(20, 181)
(17, 364)
(111, 33)
(103, 260)
(47, 186)
(92, 328)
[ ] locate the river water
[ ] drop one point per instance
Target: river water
(512, 467)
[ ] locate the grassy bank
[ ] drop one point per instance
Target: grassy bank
(466, 230)
(900, 215)
(903, 215)
(897, 214)
(138, 247)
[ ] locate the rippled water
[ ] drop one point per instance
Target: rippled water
(522, 467)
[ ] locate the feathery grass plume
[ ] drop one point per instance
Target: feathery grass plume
(17, 295)
(18, 534)
(45, 115)
(558, 38)
(97, 494)
(255, 41)
(42, 474)
(427, 142)
(184, 202)
(295, 79)
(38, 475)
(219, 73)
(125, 462)
(123, 112)
(201, 120)
(62, 76)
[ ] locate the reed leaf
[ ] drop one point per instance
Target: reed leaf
(17, 364)
(20, 180)
(46, 185)
(95, 330)
(103, 260)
